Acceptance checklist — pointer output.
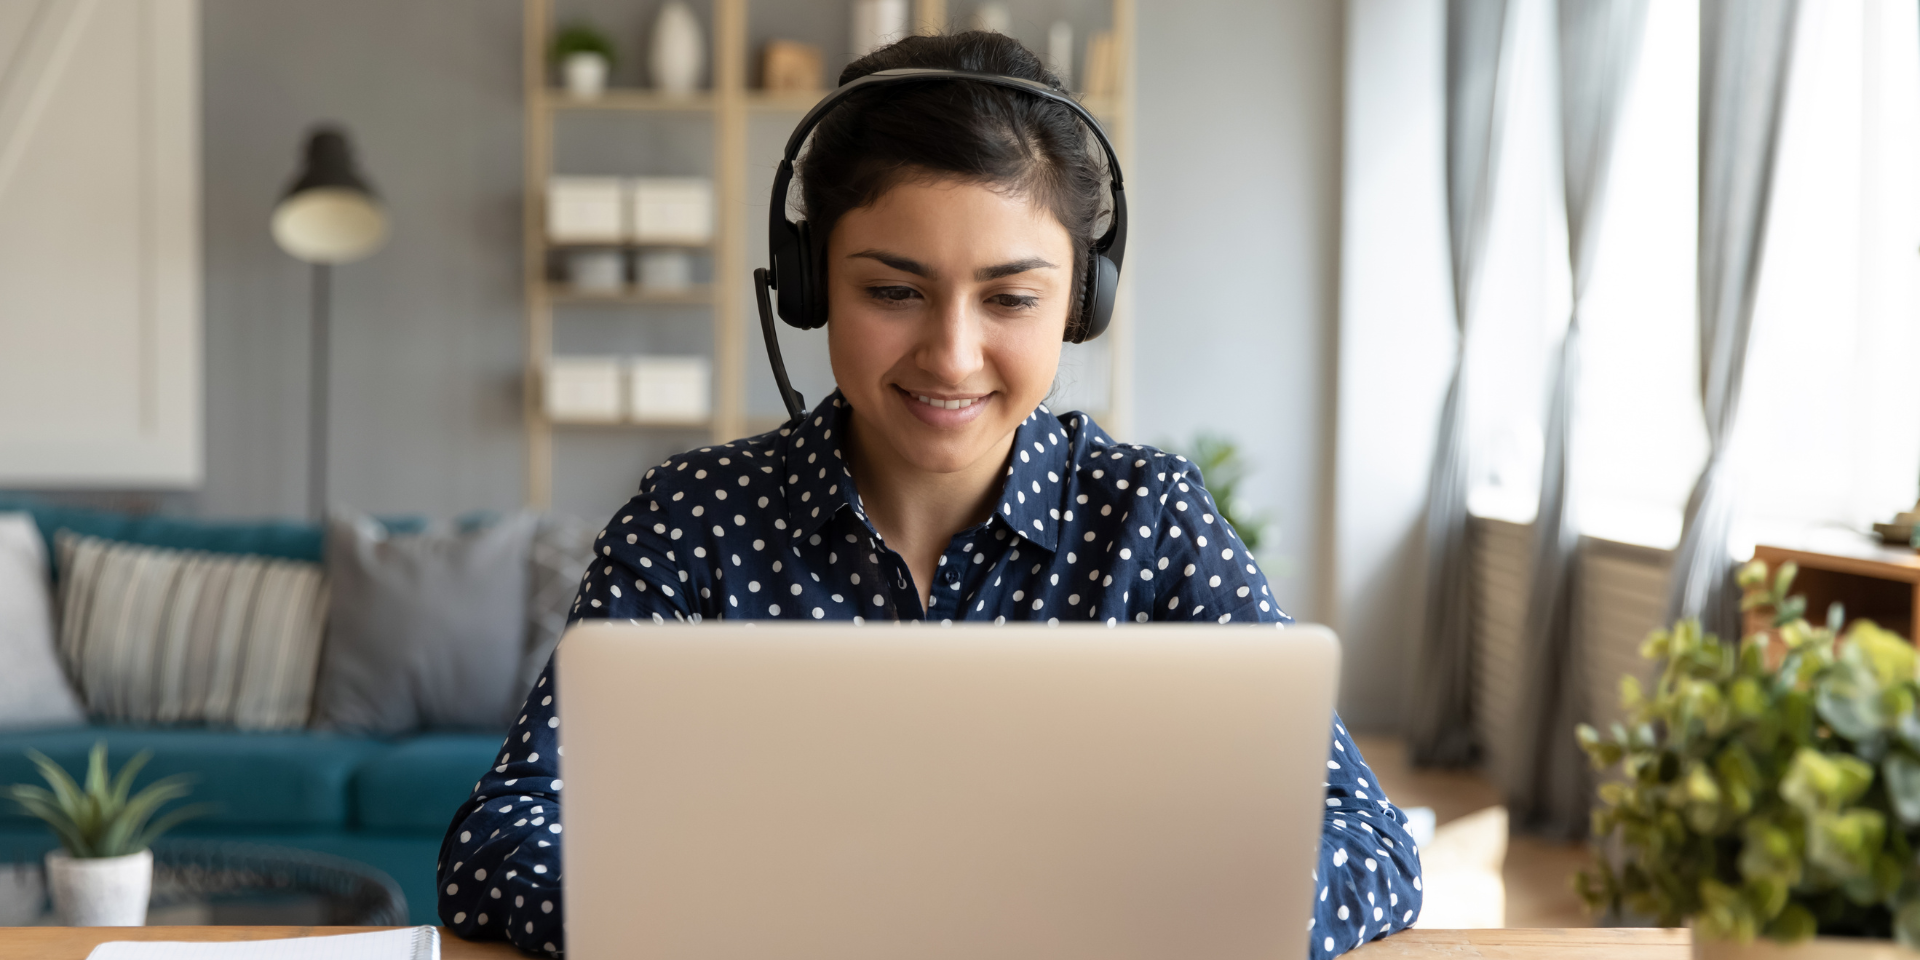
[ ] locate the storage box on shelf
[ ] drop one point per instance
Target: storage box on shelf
(727, 106)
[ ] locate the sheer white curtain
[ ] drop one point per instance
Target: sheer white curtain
(1830, 429)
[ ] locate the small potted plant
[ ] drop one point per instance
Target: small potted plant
(1768, 790)
(1222, 469)
(103, 873)
(584, 54)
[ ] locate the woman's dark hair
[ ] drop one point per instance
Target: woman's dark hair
(973, 132)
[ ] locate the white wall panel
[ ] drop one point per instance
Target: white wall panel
(100, 319)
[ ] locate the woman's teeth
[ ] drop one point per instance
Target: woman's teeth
(947, 404)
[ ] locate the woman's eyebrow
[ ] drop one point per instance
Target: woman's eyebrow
(894, 260)
(918, 269)
(1009, 269)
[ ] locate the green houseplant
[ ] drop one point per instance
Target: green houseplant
(1222, 469)
(103, 872)
(1768, 788)
(584, 54)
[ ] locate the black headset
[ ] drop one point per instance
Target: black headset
(789, 244)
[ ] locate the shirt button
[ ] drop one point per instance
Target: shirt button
(953, 579)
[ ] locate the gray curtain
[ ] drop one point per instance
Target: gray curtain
(1441, 724)
(1599, 43)
(1745, 51)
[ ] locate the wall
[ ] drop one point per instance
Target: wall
(1396, 345)
(428, 332)
(1234, 255)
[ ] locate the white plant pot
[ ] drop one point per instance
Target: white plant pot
(678, 52)
(1818, 948)
(586, 74)
(100, 891)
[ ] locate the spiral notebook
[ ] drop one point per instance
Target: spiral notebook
(404, 943)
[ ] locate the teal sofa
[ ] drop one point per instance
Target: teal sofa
(383, 802)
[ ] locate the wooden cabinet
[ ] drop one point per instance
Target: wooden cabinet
(1873, 581)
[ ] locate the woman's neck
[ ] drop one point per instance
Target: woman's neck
(918, 511)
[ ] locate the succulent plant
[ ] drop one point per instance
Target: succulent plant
(104, 818)
(1769, 787)
(581, 37)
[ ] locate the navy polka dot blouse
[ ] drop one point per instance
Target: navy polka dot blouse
(771, 527)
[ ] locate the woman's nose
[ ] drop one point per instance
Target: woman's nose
(950, 347)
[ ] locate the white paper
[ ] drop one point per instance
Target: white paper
(404, 943)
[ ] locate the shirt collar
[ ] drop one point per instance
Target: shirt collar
(819, 482)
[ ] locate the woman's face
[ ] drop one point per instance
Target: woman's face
(946, 303)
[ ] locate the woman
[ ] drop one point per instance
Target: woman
(953, 220)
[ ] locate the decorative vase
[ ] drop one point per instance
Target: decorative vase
(100, 891)
(666, 270)
(595, 270)
(993, 17)
(678, 51)
(876, 23)
(1818, 948)
(586, 74)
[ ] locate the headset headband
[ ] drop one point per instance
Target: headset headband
(1112, 244)
(789, 242)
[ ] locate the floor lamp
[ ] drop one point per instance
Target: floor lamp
(330, 215)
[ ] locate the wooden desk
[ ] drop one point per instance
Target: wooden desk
(1576, 943)
(1591, 943)
(1874, 581)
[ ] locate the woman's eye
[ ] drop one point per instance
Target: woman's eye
(892, 294)
(1015, 301)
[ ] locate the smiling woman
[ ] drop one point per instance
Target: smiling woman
(953, 225)
(948, 308)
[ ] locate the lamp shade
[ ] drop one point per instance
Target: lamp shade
(330, 214)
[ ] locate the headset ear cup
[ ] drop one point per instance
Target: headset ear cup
(813, 280)
(790, 257)
(1096, 307)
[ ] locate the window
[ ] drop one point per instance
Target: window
(1829, 431)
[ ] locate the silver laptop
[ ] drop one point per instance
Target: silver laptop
(901, 792)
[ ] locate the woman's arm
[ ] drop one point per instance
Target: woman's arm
(499, 869)
(1368, 882)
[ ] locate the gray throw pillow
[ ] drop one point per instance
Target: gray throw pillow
(562, 548)
(424, 631)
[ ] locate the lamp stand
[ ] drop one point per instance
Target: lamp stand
(318, 355)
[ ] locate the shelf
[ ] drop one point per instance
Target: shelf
(699, 294)
(704, 423)
(761, 101)
(629, 99)
(625, 244)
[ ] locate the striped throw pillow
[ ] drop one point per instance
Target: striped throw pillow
(157, 636)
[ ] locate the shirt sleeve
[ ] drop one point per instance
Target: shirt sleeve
(1201, 570)
(1368, 882)
(499, 869)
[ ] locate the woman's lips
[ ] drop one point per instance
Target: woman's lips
(943, 411)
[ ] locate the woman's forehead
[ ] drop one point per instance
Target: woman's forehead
(955, 218)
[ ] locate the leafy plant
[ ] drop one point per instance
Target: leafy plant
(581, 37)
(104, 818)
(1222, 469)
(1769, 787)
